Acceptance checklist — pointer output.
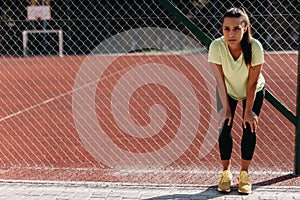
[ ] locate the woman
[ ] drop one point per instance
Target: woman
(237, 59)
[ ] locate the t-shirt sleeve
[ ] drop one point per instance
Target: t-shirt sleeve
(257, 53)
(214, 55)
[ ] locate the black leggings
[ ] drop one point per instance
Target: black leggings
(248, 139)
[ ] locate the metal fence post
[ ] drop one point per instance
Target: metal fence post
(297, 138)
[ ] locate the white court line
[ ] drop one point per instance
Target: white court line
(156, 171)
(52, 99)
(34, 106)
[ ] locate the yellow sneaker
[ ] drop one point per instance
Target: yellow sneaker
(244, 183)
(225, 181)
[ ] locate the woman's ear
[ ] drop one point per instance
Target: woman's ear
(245, 28)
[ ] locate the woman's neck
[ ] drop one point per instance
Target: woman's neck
(235, 48)
(235, 51)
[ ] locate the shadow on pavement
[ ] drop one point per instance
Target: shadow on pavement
(275, 180)
(211, 192)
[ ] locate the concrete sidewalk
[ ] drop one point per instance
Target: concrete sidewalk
(113, 191)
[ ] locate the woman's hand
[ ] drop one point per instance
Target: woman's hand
(252, 119)
(224, 114)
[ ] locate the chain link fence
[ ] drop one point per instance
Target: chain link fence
(132, 90)
(86, 23)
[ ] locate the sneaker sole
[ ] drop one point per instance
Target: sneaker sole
(224, 191)
(244, 193)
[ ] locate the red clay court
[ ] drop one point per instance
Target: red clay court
(39, 131)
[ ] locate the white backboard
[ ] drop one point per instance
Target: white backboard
(38, 13)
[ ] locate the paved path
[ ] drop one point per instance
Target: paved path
(101, 191)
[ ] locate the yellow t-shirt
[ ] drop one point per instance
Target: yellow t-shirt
(235, 71)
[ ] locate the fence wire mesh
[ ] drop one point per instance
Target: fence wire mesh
(133, 90)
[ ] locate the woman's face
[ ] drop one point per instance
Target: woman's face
(233, 30)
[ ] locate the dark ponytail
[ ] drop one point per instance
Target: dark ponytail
(247, 37)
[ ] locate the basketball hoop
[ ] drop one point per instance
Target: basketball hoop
(38, 13)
